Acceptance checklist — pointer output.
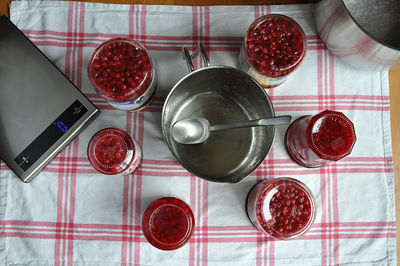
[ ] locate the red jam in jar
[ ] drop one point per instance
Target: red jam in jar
(122, 72)
(313, 141)
(168, 223)
(274, 46)
(283, 208)
(112, 151)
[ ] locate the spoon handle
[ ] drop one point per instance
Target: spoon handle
(278, 120)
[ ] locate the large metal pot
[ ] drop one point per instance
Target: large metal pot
(220, 94)
(363, 33)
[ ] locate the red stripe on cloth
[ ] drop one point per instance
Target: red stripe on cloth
(75, 144)
(326, 223)
(59, 245)
(124, 228)
(330, 173)
(104, 235)
(199, 233)
(211, 228)
(259, 174)
(68, 249)
(198, 216)
(168, 166)
(342, 107)
(369, 99)
(270, 173)
(124, 244)
(131, 128)
(211, 240)
(57, 236)
(332, 81)
(97, 35)
(139, 179)
(130, 26)
(320, 78)
(256, 12)
(326, 105)
(284, 169)
(127, 205)
(192, 203)
(143, 30)
(338, 103)
(378, 98)
(205, 222)
(268, 9)
(72, 200)
(205, 197)
(195, 33)
(81, 44)
(335, 197)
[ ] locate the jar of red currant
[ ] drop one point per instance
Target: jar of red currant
(283, 208)
(274, 46)
(122, 72)
(168, 223)
(112, 151)
(314, 141)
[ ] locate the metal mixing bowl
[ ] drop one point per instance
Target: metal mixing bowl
(220, 94)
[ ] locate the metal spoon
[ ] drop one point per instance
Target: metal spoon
(197, 130)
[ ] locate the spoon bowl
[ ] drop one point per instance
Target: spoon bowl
(197, 130)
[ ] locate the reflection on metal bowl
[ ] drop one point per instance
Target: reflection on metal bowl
(363, 33)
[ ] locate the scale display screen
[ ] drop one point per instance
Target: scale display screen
(50, 135)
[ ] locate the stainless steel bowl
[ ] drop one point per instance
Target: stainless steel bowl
(220, 94)
(363, 33)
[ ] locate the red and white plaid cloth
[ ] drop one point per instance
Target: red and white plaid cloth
(72, 215)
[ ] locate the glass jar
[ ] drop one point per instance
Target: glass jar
(168, 223)
(283, 208)
(274, 46)
(122, 72)
(314, 141)
(112, 151)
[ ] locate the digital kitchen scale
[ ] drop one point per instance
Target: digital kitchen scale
(41, 111)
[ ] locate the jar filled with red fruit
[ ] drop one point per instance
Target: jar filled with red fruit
(314, 141)
(274, 46)
(112, 151)
(168, 223)
(283, 208)
(122, 72)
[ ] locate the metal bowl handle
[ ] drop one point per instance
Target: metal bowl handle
(188, 57)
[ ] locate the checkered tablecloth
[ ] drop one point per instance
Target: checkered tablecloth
(72, 215)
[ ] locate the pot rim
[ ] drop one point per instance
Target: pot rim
(374, 38)
(165, 127)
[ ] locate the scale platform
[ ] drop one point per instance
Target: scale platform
(41, 111)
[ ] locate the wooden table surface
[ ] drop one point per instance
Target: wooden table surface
(394, 75)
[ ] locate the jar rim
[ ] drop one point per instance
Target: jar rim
(262, 200)
(288, 69)
(135, 92)
(314, 124)
(152, 209)
(128, 145)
